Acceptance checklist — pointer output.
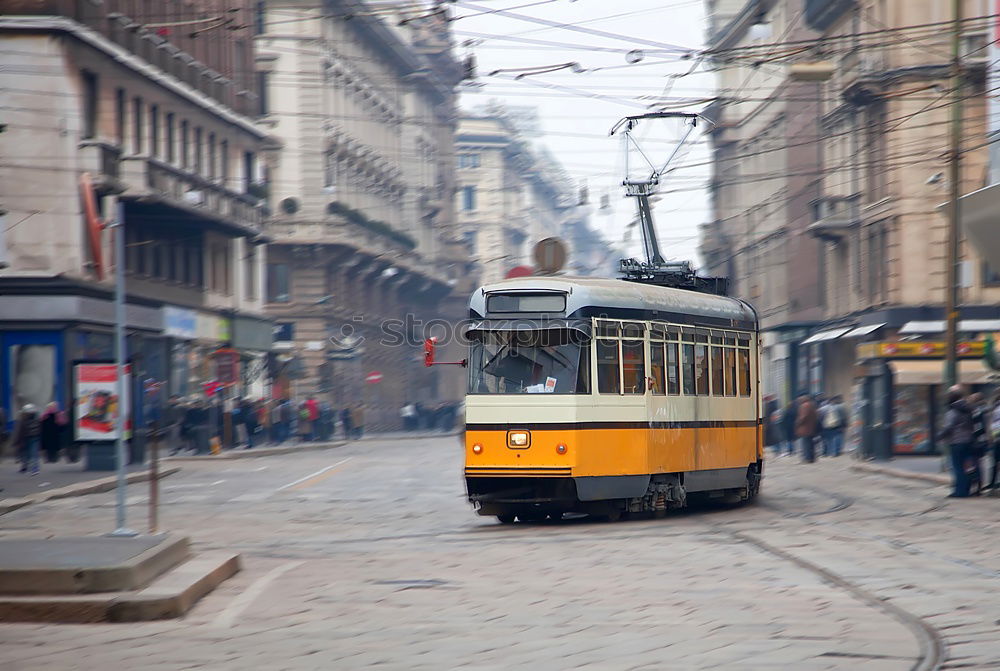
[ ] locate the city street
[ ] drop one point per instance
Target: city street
(368, 555)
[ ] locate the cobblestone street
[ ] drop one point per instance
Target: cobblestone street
(369, 556)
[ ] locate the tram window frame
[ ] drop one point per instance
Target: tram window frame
(658, 367)
(746, 384)
(702, 369)
(636, 373)
(673, 387)
(688, 369)
(606, 329)
(583, 385)
(718, 370)
(617, 378)
(732, 371)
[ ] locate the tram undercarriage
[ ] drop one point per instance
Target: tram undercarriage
(539, 498)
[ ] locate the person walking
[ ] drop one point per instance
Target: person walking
(27, 435)
(995, 442)
(771, 432)
(958, 431)
(833, 419)
(348, 422)
(248, 418)
(312, 415)
(358, 417)
(980, 441)
(806, 428)
(409, 414)
(53, 427)
(788, 415)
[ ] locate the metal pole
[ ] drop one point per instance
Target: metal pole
(954, 177)
(118, 231)
(154, 478)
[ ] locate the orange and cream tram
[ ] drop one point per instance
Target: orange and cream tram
(609, 397)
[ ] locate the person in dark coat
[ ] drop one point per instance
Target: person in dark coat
(27, 435)
(53, 429)
(772, 432)
(788, 416)
(959, 431)
(248, 417)
(347, 421)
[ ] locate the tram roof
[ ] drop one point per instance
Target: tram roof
(621, 295)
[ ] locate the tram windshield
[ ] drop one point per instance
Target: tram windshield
(555, 361)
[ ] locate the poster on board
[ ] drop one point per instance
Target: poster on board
(96, 401)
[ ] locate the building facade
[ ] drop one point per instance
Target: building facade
(879, 142)
(364, 258)
(111, 104)
(509, 196)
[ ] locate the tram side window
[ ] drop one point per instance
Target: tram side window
(607, 367)
(687, 362)
(701, 370)
(744, 359)
(656, 362)
(633, 367)
(730, 371)
(673, 370)
(718, 372)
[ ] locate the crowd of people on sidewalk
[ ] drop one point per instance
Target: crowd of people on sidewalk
(807, 422)
(971, 429)
(196, 425)
(442, 416)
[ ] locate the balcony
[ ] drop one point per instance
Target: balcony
(834, 218)
(152, 181)
(821, 14)
(103, 161)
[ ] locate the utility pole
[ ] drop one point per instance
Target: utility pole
(118, 233)
(954, 179)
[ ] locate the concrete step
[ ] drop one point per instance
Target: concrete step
(170, 596)
(86, 565)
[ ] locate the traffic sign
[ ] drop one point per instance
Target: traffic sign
(373, 377)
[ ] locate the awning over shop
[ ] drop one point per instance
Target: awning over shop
(862, 331)
(822, 336)
(979, 221)
(937, 326)
(932, 372)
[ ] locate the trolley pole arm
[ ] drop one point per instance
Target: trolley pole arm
(648, 230)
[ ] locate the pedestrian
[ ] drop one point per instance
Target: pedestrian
(995, 441)
(958, 431)
(347, 421)
(173, 418)
(286, 413)
(53, 424)
(807, 428)
(772, 435)
(833, 420)
(326, 421)
(27, 435)
(358, 418)
(304, 427)
(788, 415)
(409, 414)
(248, 417)
(980, 435)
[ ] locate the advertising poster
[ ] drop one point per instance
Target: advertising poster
(97, 403)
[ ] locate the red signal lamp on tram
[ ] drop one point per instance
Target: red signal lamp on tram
(429, 345)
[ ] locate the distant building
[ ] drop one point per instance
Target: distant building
(363, 232)
(160, 119)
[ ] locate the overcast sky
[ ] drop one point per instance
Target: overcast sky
(577, 109)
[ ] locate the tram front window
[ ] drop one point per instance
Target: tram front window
(553, 361)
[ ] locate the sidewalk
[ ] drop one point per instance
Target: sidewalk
(925, 468)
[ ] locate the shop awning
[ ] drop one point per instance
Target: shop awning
(822, 336)
(937, 326)
(932, 372)
(862, 331)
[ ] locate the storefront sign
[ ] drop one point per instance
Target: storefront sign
(180, 323)
(917, 350)
(97, 403)
(212, 327)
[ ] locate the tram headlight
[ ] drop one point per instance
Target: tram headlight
(477, 449)
(518, 439)
(560, 448)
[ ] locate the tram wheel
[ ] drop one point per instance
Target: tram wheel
(506, 518)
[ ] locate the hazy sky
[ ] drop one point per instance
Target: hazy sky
(577, 109)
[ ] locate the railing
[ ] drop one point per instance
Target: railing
(188, 190)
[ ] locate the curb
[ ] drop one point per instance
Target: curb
(898, 473)
(255, 452)
(81, 489)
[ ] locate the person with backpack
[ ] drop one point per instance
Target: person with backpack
(958, 430)
(27, 439)
(833, 420)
